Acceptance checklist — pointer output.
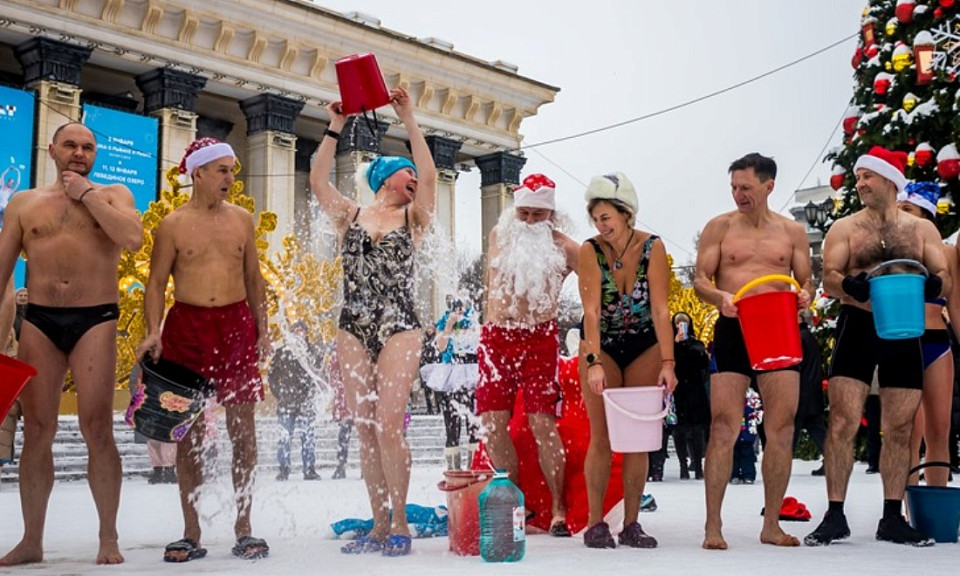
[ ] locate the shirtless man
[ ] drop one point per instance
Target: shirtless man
(519, 345)
(217, 327)
(72, 231)
(854, 245)
(735, 248)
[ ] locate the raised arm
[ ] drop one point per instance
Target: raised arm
(111, 206)
(334, 204)
(425, 200)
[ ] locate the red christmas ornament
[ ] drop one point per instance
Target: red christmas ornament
(904, 10)
(881, 84)
(836, 180)
(946, 3)
(872, 51)
(857, 58)
(923, 155)
(850, 120)
(948, 162)
(938, 13)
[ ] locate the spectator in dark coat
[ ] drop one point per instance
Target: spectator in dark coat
(690, 396)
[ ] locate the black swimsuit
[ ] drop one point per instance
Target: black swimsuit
(66, 326)
(378, 285)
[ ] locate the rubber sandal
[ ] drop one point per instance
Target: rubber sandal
(250, 548)
(397, 545)
(193, 552)
(362, 545)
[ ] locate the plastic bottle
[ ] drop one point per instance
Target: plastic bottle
(502, 520)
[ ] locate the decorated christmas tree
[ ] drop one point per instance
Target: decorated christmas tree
(906, 98)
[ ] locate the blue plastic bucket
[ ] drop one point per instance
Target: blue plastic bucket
(934, 510)
(897, 301)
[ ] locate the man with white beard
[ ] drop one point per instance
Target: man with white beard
(528, 260)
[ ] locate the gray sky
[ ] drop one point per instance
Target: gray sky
(615, 60)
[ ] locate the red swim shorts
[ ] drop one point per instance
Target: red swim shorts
(519, 358)
(220, 343)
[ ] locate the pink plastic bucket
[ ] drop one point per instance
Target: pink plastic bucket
(635, 418)
(14, 375)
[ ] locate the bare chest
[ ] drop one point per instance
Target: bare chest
(764, 248)
(207, 242)
(56, 220)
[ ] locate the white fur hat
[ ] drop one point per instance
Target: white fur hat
(615, 186)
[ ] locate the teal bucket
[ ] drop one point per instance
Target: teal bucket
(897, 301)
(934, 510)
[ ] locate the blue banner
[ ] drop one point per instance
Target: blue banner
(16, 152)
(126, 151)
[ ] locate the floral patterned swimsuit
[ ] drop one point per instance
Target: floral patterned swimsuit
(378, 285)
(626, 323)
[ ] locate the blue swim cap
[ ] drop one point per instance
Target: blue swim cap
(384, 167)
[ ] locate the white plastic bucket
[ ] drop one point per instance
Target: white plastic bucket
(635, 418)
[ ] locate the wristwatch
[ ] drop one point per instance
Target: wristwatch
(592, 359)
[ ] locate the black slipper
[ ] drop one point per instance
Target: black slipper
(250, 548)
(187, 545)
(560, 530)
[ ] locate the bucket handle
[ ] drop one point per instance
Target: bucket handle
(920, 467)
(638, 417)
(905, 261)
(763, 280)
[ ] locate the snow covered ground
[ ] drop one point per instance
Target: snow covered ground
(294, 517)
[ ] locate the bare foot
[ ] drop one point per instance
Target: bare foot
(714, 541)
(779, 538)
(22, 554)
(109, 553)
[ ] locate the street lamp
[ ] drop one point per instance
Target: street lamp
(817, 214)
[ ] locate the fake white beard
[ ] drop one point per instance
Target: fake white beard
(529, 263)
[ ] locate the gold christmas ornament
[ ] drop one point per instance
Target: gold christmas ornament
(909, 102)
(891, 28)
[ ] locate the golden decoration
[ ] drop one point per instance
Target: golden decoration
(683, 299)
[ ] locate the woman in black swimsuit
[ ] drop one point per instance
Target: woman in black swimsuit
(379, 340)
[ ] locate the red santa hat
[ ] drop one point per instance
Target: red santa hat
(537, 191)
(887, 163)
(203, 151)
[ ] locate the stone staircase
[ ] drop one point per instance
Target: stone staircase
(425, 436)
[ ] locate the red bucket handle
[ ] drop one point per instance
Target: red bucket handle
(899, 261)
(763, 280)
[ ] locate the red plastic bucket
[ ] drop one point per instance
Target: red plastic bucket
(14, 375)
(463, 488)
(361, 84)
(770, 325)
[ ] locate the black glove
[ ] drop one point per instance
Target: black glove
(857, 287)
(932, 287)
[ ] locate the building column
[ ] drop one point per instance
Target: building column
(499, 173)
(171, 97)
(271, 153)
(51, 69)
(359, 144)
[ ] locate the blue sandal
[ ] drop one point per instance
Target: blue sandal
(397, 545)
(362, 545)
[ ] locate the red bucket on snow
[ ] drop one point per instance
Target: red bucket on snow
(463, 488)
(14, 375)
(770, 325)
(361, 84)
